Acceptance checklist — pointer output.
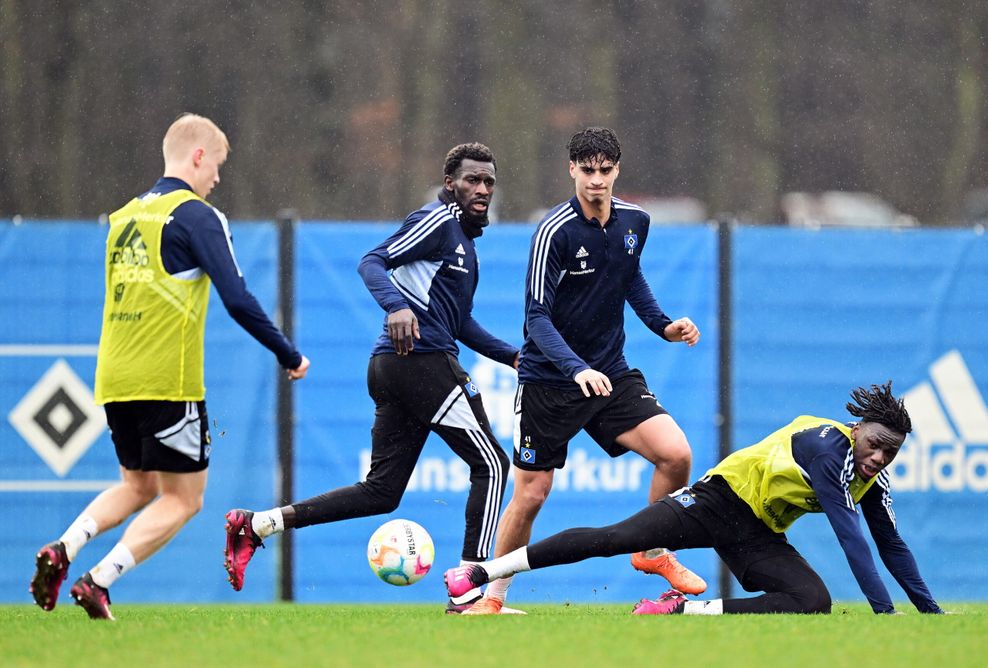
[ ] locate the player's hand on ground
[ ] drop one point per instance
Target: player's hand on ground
(298, 373)
(403, 328)
(683, 330)
(593, 381)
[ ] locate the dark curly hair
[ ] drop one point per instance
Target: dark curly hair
(471, 151)
(589, 145)
(878, 405)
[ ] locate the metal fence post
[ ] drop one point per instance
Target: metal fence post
(725, 379)
(286, 221)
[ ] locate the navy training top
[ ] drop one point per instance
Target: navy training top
(430, 265)
(197, 240)
(580, 274)
(827, 459)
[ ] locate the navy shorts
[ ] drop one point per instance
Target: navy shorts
(170, 436)
(546, 418)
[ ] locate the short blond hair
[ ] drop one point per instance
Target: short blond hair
(190, 131)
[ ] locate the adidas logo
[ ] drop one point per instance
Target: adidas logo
(130, 251)
(948, 448)
(131, 237)
(582, 252)
(460, 251)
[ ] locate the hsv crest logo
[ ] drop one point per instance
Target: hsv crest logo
(630, 242)
(685, 499)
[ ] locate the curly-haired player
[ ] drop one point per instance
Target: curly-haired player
(744, 505)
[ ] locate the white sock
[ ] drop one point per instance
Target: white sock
(80, 532)
(117, 562)
(714, 607)
(509, 564)
(499, 588)
(267, 522)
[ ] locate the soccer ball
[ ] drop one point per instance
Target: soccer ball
(400, 552)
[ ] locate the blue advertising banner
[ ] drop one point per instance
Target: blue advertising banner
(55, 452)
(818, 313)
(338, 324)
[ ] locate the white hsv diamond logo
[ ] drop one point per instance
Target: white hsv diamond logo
(58, 418)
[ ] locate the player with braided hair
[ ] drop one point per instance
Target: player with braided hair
(744, 505)
(879, 406)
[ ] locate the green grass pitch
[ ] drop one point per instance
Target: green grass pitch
(550, 635)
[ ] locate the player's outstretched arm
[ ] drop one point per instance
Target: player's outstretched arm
(475, 337)
(826, 473)
(876, 507)
(641, 299)
(683, 330)
(211, 246)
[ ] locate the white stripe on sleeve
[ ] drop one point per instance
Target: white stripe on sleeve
(540, 254)
(419, 231)
(229, 238)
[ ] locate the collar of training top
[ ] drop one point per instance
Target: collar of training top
(575, 203)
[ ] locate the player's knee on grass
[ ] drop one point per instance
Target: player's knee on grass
(807, 599)
(790, 584)
(816, 599)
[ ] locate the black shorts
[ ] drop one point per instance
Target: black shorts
(171, 436)
(546, 418)
(712, 515)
